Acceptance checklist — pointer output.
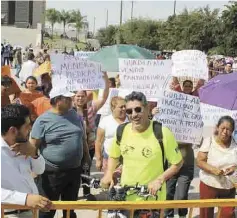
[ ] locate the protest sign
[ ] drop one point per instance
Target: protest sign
(210, 116)
(83, 54)
(147, 76)
(105, 110)
(181, 114)
(75, 73)
(190, 63)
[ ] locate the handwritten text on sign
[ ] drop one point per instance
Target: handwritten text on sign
(105, 110)
(147, 76)
(75, 73)
(190, 63)
(211, 114)
(181, 114)
(84, 54)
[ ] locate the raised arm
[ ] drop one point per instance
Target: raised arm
(100, 102)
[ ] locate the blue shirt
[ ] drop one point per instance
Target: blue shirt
(62, 139)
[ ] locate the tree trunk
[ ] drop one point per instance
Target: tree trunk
(64, 26)
(52, 29)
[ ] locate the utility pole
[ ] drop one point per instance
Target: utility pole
(94, 27)
(174, 7)
(121, 12)
(107, 18)
(132, 10)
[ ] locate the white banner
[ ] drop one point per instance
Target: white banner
(83, 54)
(75, 73)
(190, 63)
(181, 114)
(105, 110)
(211, 116)
(147, 76)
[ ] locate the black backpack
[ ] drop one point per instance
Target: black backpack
(157, 130)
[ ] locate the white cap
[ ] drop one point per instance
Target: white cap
(54, 93)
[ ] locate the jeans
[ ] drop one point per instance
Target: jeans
(183, 179)
(64, 184)
(86, 190)
(18, 69)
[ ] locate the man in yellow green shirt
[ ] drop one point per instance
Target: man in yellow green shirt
(142, 153)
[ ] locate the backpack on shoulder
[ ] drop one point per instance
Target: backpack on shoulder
(157, 130)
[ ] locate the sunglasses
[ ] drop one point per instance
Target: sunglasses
(136, 109)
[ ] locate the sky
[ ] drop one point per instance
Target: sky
(97, 10)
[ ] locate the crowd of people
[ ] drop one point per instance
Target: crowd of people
(49, 138)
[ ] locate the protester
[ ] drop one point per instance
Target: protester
(87, 109)
(6, 55)
(28, 68)
(71, 52)
(18, 61)
(117, 81)
(213, 175)
(17, 184)
(59, 135)
(28, 95)
(185, 176)
(6, 83)
(228, 68)
(142, 153)
(107, 129)
(187, 86)
(112, 83)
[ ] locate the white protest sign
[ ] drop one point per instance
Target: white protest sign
(75, 73)
(210, 116)
(190, 63)
(147, 76)
(83, 54)
(181, 114)
(105, 110)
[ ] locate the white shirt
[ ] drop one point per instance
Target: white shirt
(16, 178)
(109, 125)
(27, 70)
(221, 158)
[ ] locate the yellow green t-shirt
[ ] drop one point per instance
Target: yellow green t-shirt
(142, 157)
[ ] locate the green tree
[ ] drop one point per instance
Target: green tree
(64, 18)
(107, 36)
(229, 29)
(78, 21)
(52, 15)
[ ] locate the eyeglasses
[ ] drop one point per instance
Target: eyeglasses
(136, 109)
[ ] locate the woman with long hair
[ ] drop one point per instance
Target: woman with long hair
(29, 94)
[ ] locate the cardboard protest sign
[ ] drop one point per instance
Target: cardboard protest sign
(83, 54)
(210, 116)
(73, 73)
(181, 114)
(105, 110)
(190, 63)
(147, 76)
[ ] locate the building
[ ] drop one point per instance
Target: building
(23, 14)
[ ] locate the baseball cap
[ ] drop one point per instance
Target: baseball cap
(54, 93)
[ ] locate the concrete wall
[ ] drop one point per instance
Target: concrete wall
(20, 36)
(22, 14)
(39, 8)
(4, 10)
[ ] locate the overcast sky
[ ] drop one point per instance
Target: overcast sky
(147, 9)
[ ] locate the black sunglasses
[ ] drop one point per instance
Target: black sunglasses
(136, 109)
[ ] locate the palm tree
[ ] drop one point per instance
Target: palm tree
(78, 21)
(52, 15)
(65, 18)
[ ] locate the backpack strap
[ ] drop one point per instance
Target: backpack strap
(157, 129)
(119, 132)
